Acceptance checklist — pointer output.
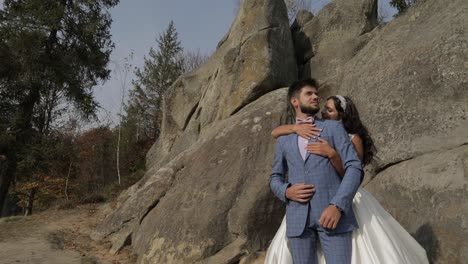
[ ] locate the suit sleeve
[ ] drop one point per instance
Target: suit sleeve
(352, 165)
(278, 182)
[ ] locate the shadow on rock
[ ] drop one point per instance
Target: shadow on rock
(427, 238)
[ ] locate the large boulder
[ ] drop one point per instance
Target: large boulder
(429, 197)
(255, 57)
(205, 197)
(212, 201)
(410, 82)
(327, 41)
(219, 206)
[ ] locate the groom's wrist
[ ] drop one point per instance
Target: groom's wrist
(286, 192)
(337, 207)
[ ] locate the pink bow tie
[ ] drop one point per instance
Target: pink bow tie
(308, 120)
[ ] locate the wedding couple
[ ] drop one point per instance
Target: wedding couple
(329, 218)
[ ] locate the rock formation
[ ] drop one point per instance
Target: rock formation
(206, 182)
(205, 196)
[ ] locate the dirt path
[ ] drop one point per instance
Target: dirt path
(56, 237)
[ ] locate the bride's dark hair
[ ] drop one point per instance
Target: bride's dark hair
(353, 125)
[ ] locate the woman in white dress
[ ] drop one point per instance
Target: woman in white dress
(380, 239)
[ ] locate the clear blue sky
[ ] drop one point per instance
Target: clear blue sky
(137, 23)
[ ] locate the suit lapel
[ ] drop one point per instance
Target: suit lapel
(295, 146)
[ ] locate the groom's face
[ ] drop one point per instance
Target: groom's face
(308, 101)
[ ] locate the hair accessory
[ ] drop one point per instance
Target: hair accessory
(342, 101)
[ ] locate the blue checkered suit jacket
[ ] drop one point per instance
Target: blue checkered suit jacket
(317, 170)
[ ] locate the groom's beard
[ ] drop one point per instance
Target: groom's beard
(309, 109)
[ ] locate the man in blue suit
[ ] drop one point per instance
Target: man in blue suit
(318, 201)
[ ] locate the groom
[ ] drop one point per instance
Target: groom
(318, 201)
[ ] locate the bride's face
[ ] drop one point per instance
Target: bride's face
(329, 111)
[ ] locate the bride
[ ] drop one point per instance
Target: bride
(380, 239)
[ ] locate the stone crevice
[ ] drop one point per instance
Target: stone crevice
(391, 164)
(151, 207)
(247, 102)
(121, 226)
(189, 117)
(155, 203)
(269, 27)
(256, 33)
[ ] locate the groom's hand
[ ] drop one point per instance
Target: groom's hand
(300, 192)
(330, 217)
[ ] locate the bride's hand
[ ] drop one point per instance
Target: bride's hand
(306, 130)
(321, 148)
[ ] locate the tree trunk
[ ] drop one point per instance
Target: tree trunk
(66, 182)
(6, 179)
(21, 128)
(29, 205)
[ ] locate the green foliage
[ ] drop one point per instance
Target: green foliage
(61, 45)
(52, 52)
(161, 69)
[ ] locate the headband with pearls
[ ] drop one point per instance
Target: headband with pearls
(342, 101)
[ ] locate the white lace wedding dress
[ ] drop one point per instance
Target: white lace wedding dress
(380, 239)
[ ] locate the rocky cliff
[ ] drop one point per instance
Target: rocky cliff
(205, 196)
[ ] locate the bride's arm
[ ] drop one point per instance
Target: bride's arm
(357, 143)
(283, 130)
(324, 149)
(336, 162)
(303, 130)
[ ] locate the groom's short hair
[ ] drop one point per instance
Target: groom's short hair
(296, 87)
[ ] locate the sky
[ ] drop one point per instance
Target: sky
(137, 23)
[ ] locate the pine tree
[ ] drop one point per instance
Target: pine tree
(50, 50)
(161, 69)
